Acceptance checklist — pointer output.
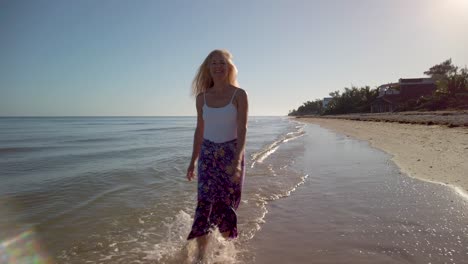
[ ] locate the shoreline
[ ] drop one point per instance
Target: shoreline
(358, 207)
(444, 118)
(431, 153)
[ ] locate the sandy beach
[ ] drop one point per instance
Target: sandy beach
(429, 152)
(359, 206)
(454, 118)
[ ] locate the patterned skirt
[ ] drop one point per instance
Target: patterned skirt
(219, 193)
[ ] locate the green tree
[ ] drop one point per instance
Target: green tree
(442, 70)
(308, 108)
(352, 100)
(452, 87)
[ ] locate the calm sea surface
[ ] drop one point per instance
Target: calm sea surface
(113, 190)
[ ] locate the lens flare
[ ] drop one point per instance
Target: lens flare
(23, 248)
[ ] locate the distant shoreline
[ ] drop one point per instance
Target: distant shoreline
(429, 152)
(444, 118)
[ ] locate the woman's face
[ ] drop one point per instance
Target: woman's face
(219, 67)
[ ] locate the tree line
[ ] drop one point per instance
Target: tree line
(451, 93)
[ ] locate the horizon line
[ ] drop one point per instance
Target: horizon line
(128, 116)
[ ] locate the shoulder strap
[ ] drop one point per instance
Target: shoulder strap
(204, 98)
(234, 94)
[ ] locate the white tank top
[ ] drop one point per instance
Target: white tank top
(220, 122)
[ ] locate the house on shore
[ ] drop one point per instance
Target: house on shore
(325, 102)
(393, 95)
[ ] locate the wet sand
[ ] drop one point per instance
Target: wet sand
(358, 207)
(433, 153)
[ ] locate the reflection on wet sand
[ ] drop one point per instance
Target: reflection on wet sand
(357, 207)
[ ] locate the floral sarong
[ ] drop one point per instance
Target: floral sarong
(218, 192)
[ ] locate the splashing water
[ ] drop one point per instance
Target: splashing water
(176, 249)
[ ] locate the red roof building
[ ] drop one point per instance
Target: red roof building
(394, 95)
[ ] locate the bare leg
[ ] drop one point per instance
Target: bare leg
(225, 234)
(202, 241)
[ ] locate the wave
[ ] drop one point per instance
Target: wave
(88, 202)
(91, 140)
(261, 155)
(161, 129)
(288, 192)
(149, 243)
(13, 150)
(61, 161)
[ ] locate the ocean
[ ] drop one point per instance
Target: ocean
(113, 190)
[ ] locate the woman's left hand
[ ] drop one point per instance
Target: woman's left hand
(237, 173)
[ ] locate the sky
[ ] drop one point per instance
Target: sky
(138, 58)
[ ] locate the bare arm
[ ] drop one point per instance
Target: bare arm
(197, 138)
(242, 115)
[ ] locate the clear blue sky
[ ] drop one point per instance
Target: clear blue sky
(120, 57)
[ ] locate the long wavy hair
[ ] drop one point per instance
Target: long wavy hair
(203, 80)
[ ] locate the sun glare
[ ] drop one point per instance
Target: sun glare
(455, 6)
(23, 248)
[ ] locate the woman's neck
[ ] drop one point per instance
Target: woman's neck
(220, 87)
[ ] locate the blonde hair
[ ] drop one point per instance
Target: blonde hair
(203, 79)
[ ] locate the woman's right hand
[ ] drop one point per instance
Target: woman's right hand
(190, 172)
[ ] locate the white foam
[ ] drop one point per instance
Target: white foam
(176, 249)
(266, 152)
(294, 137)
(460, 192)
(289, 191)
(176, 231)
(220, 250)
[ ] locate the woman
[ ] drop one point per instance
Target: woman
(219, 144)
